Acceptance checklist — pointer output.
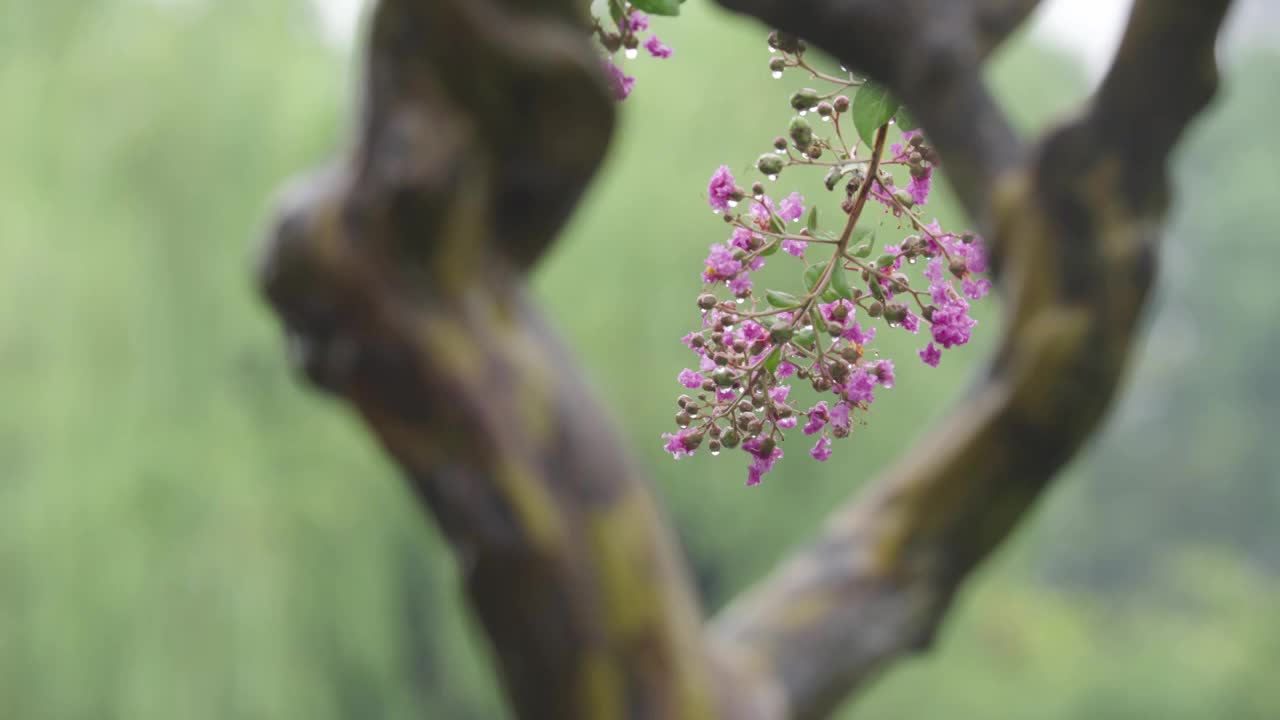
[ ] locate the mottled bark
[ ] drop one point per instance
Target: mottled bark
(398, 275)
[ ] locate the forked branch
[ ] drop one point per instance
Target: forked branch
(398, 277)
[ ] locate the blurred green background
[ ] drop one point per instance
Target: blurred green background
(186, 532)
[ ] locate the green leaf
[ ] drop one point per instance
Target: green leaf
(771, 248)
(830, 295)
(906, 121)
(840, 283)
(771, 362)
(780, 299)
(812, 221)
(813, 274)
(775, 224)
(873, 106)
(867, 239)
(658, 7)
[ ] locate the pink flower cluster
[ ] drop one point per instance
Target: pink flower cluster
(759, 351)
(626, 37)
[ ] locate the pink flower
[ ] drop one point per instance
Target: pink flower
(786, 369)
(822, 451)
(619, 81)
(720, 265)
(818, 417)
(637, 22)
(656, 48)
(682, 443)
(741, 284)
(690, 379)
(857, 335)
(918, 188)
(861, 387)
(721, 189)
(763, 462)
(794, 247)
(930, 355)
(911, 323)
(792, 207)
(779, 394)
(883, 371)
(976, 289)
(839, 415)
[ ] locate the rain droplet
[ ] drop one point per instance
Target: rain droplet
(894, 325)
(803, 113)
(911, 260)
(733, 203)
(632, 53)
(844, 69)
(777, 74)
(826, 118)
(772, 50)
(808, 327)
(774, 177)
(715, 453)
(741, 300)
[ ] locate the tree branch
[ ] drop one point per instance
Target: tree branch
(398, 276)
(1075, 231)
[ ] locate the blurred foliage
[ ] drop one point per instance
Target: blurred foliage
(185, 532)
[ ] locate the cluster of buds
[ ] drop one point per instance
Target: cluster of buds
(754, 346)
(624, 31)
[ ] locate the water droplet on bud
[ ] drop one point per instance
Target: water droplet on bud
(733, 203)
(773, 177)
(777, 74)
(741, 300)
(826, 118)
(715, 453)
(803, 113)
(632, 53)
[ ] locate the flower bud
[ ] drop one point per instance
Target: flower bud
(851, 353)
(721, 359)
(779, 143)
(916, 140)
(770, 164)
(706, 301)
(683, 420)
(722, 377)
(683, 400)
(967, 237)
(714, 431)
(838, 370)
(804, 99)
(708, 385)
(781, 332)
(904, 197)
(841, 104)
(755, 427)
(631, 42)
(767, 446)
(895, 313)
(814, 152)
(785, 41)
(875, 309)
(739, 346)
(825, 109)
(840, 312)
(958, 267)
(757, 189)
(801, 133)
(777, 64)
(714, 445)
(928, 312)
(730, 439)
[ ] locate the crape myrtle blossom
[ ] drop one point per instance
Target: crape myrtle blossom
(625, 36)
(801, 358)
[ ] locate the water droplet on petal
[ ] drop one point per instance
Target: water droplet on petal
(777, 74)
(733, 203)
(632, 53)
